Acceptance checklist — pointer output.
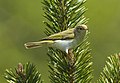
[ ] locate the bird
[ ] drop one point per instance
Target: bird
(64, 40)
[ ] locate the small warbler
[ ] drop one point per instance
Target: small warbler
(63, 40)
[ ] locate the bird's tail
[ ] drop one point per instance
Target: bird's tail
(31, 45)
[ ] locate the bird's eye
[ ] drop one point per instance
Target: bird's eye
(81, 28)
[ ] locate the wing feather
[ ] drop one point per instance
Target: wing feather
(67, 34)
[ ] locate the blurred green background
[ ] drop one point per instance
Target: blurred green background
(21, 21)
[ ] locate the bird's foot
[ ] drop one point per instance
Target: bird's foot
(71, 57)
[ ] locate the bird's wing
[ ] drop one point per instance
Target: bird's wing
(67, 34)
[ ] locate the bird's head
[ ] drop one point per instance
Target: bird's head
(80, 31)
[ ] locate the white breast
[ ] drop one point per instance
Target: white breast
(63, 44)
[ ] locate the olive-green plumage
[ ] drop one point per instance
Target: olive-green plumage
(62, 40)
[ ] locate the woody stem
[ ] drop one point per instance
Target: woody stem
(71, 61)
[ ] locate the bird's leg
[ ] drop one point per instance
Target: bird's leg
(71, 60)
(70, 57)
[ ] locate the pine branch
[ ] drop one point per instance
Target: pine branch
(62, 72)
(63, 14)
(23, 74)
(74, 67)
(111, 71)
(71, 67)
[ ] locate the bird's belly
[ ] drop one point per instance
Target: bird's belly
(63, 44)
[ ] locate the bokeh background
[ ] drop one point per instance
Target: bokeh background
(22, 21)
